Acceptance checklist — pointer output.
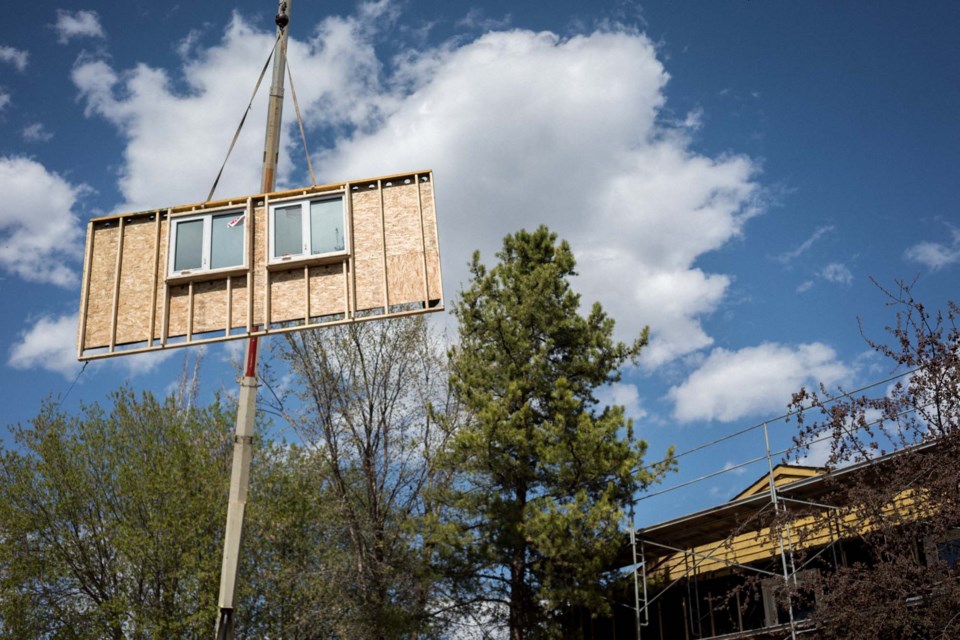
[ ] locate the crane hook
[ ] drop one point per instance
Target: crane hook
(282, 18)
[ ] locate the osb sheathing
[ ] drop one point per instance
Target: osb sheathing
(129, 304)
(101, 272)
(369, 278)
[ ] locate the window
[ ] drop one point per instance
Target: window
(307, 229)
(945, 549)
(210, 242)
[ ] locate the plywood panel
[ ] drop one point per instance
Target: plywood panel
(239, 297)
(209, 306)
(136, 281)
(406, 278)
(179, 310)
(368, 248)
(288, 300)
(434, 279)
(403, 235)
(327, 290)
(401, 206)
(101, 270)
(429, 215)
(431, 240)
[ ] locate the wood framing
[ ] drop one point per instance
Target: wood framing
(139, 295)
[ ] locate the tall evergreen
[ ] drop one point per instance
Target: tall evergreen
(546, 471)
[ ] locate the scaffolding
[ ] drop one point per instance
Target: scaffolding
(754, 534)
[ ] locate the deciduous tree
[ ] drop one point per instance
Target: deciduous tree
(110, 521)
(904, 512)
(360, 397)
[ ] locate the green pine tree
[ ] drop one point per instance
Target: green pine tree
(545, 470)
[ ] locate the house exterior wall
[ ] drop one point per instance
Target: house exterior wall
(130, 302)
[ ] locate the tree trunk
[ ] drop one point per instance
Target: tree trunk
(519, 602)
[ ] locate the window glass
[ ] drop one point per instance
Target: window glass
(226, 242)
(326, 226)
(287, 231)
(189, 249)
(949, 552)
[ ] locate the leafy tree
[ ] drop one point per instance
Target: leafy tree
(111, 526)
(904, 582)
(360, 400)
(289, 586)
(110, 521)
(543, 471)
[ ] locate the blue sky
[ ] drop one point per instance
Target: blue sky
(731, 173)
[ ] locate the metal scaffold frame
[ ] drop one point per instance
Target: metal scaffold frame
(739, 516)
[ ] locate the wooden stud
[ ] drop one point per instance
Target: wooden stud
(229, 305)
(306, 294)
(165, 317)
(85, 292)
(266, 300)
(383, 241)
(436, 233)
(423, 243)
(116, 287)
(266, 261)
(251, 259)
(347, 309)
(350, 271)
(156, 278)
(190, 312)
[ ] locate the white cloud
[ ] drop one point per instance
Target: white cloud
(139, 363)
(77, 24)
(36, 132)
(477, 19)
(16, 57)
(4, 99)
(837, 273)
(526, 128)
(793, 254)
(177, 141)
(694, 119)
(521, 128)
(817, 455)
(736, 467)
(731, 385)
(936, 255)
(625, 395)
(51, 344)
(39, 233)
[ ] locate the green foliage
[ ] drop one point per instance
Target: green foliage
(287, 585)
(111, 526)
(544, 470)
(110, 522)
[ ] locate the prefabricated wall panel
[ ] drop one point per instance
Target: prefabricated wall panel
(390, 266)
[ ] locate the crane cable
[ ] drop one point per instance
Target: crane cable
(74, 383)
(236, 135)
(303, 136)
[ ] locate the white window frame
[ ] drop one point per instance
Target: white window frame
(306, 254)
(206, 243)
